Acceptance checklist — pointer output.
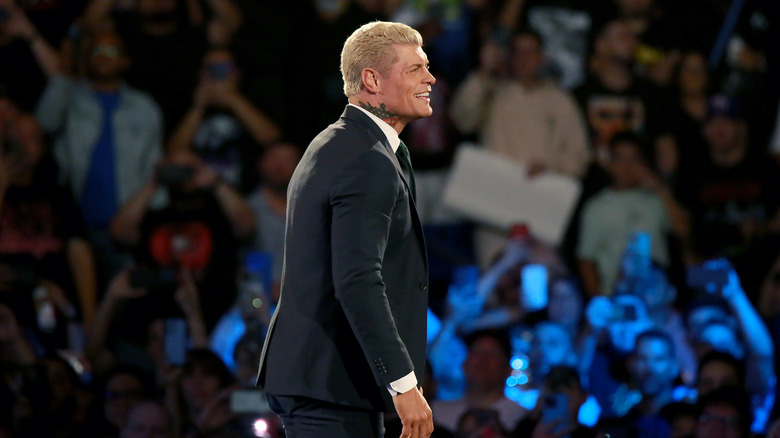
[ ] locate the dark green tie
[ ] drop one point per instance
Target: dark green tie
(406, 166)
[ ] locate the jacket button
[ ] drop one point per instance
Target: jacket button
(423, 285)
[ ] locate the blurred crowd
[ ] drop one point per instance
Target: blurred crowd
(145, 151)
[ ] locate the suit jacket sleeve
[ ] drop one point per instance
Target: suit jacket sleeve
(362, 203)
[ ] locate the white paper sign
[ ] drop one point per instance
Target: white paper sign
(490, 188)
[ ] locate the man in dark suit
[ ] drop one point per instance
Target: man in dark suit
(348, 339)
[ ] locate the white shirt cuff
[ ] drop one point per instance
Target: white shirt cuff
(402, 385)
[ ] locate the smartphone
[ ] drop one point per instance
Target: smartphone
(556, 408)
(152, 278)
(248, 401)
(173, 174)
(533, 287)
(175, 341)
(711, 280)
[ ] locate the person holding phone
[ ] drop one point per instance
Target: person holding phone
(222, 125)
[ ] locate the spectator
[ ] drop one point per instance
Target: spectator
(525, 118)
(730, 196)
(198, 230)
(652, 285)
(222, 126)
(612, 97)
(652, 369)
(551, 346)
(635, 201)
(68, 405)
(486, 369)
(718, 369)
(246, 356)
(659, 37)
(741, 332)
(118, 390)
(566, 308)
(682, 417)
(268, 200)
(107, 139)
(42, 237)
(167, 40)
(106, 346)
(204, 390)
(148, 419)
(724, 412)
(566, 28)
(616, 323)
(559, 380)
(520, 116)
(692, 86)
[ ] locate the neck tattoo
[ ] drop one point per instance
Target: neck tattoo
(380, 112)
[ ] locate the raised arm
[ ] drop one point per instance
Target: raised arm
(45, 54)
(82, 264)
(126, 225)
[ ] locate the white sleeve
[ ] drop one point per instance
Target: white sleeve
(402, 385)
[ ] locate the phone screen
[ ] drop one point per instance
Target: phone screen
(533, 287)
(175, 341)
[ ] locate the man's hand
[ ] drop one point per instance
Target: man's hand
(415, 414)
(535, 168)
(17, 24)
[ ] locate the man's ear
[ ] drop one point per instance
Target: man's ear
(370, 79)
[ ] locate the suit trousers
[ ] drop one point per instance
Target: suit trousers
(304, 417)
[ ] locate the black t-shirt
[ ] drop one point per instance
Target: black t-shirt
(225, 145)
(165, 66)
(720, 199)
(642, 108)
(36, 225)
(197, 236)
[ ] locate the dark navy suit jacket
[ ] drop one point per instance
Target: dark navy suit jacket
(352, 313)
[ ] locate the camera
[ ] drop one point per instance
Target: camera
(173, 174)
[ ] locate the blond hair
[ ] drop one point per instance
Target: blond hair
(371, 46)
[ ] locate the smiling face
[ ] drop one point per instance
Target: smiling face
(404, 89)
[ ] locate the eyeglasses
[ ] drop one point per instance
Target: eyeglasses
(729, 421)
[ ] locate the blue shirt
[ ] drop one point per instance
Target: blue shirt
(99, 202)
